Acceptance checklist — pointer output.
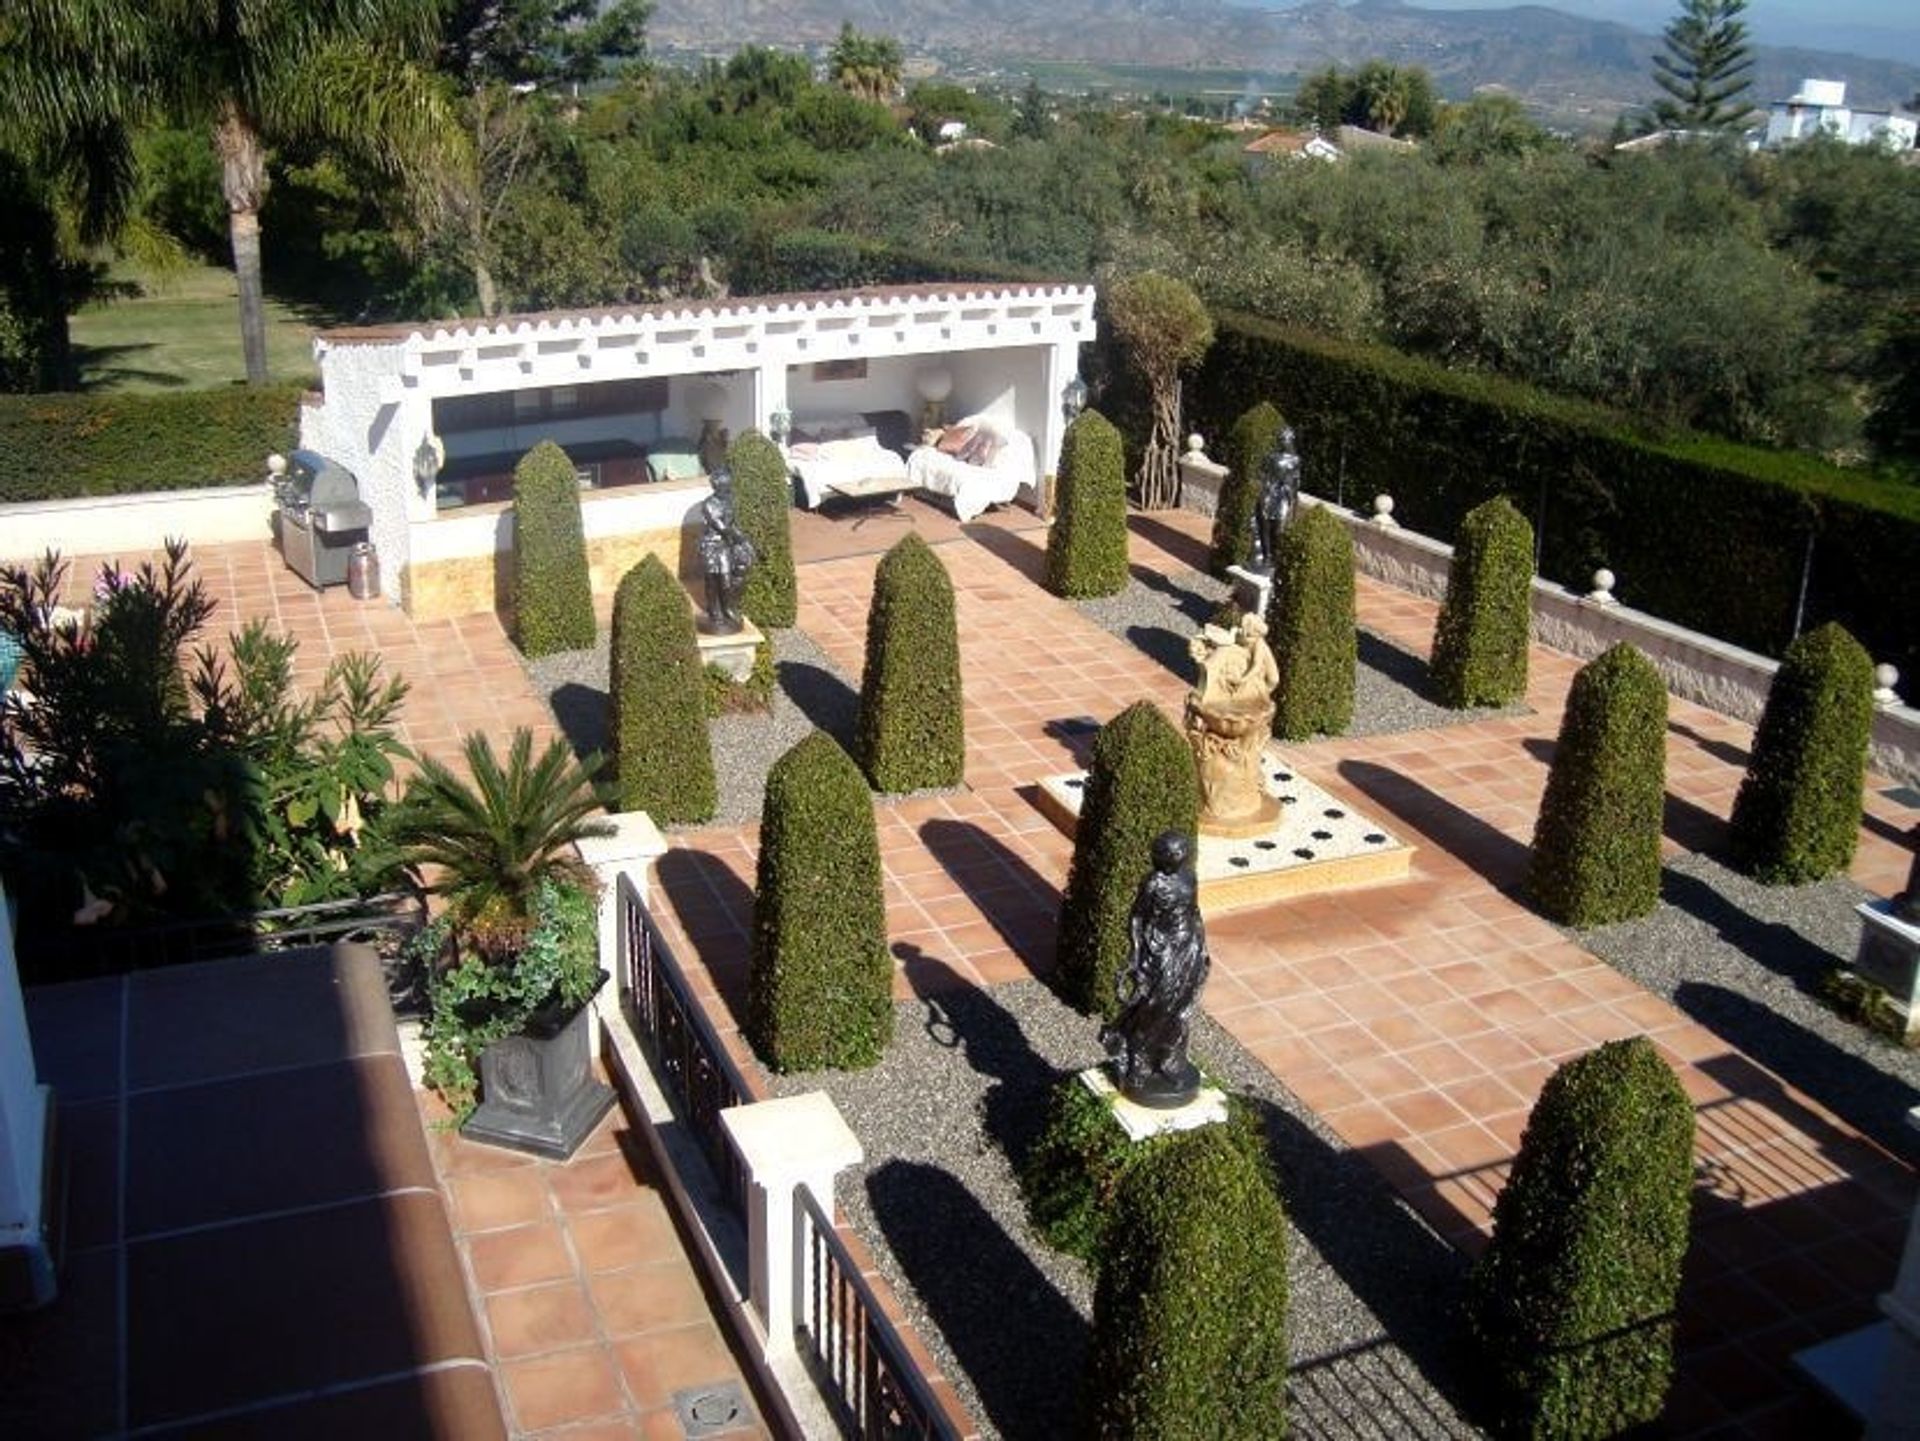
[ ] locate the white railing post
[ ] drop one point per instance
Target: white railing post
(631, 850)
(25, 1105)
(785, 1144)
(1896, 1407)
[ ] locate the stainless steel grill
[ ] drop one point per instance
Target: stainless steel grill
(320, 518)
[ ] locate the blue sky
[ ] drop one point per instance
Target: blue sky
(1886, 28)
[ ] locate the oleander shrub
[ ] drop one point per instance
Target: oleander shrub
(552, 592)
(1190, 1308)
(911, 734)
(1480, 641)
(1572, 1304)
(1251, 440)
(1310, 625)
(1087, 545)
(819, 983)
(1596, 843)
(1141, 783)
(1797, 816)
(1072, 1177)
(763, 501)
(657, 700)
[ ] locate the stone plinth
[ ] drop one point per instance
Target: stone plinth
(1319, 843)
(1252, 589)
(1889, 956)
(733, 654)
(1143, 1123)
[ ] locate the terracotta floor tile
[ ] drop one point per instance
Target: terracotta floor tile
(659, 1363)
(539, 1319)
(622, 1236)
(519, 1256)
(648, 1298)
(491, 1200)
(594, 1183)
(548, 1391)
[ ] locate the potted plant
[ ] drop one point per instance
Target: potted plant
(513, 957)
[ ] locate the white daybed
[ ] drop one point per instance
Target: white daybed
(990, 466)
(842, 454)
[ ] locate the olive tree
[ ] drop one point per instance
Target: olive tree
(1165, 328)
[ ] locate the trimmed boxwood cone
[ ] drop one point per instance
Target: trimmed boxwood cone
(1087, 545)
(1480, 640)
(912, 731)
(552, 592)
(657, 695)
(1311, 626)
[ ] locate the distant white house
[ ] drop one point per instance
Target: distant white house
(1820, 107)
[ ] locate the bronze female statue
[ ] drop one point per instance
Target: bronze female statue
(1161, 985)
(726, 555)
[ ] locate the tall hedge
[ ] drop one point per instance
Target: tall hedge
(819, 983)
(1087, 545)
(53, 447)
(552, 590)
(657, 699)
(1797, 816)
(912, 732)
(1600, 488)
(1141, 783)
(1251, 440)
(1311, 627)
(763, 503)
(1573, 1301)
(1190, 1309)
(1596, 843)
(1480, 641)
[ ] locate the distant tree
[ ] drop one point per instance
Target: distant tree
(1032, 120)
(1484, 128)
(1706, 70)
(1321, 100)
(1393, 99)
(757, 75)
(866, 65)
(518, 42)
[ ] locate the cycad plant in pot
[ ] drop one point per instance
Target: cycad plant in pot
(513, 955)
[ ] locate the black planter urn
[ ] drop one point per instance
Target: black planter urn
(537, 1089)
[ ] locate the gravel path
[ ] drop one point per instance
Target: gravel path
(964, 1086)
(1158, 615)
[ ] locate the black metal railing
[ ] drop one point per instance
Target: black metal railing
(857, 1357)
(699, 1074)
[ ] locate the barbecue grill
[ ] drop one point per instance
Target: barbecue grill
(320, 518)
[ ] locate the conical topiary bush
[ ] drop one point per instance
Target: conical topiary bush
(1141, 783)
(1311, 626)
(1480, 640)
(1596, 844)
(552, 595)
(763, 502)
(1251, 440)
(657, 700)
(819, 982)
(1572, 1303)
(1797, 816)
(912, 730)
(1087, 545)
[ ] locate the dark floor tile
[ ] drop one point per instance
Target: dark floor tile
(58, 1373)
(90, 1141)
(272, 1142)
(460, 1405)
(236, 1315)
(226, 1018)
(76, 1037)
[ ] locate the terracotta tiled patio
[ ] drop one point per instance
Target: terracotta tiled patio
(1418, 1019)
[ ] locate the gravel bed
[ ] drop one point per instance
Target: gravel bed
(1744, 959)
(964, 1085)
(1159, 614)
(809, 694)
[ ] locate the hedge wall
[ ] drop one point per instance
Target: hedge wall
(1701, 531)
(53, 447)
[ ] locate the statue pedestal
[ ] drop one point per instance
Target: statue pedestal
(1252, 589)
(1889, 956)
(1229, 741)
(734, 653)
(1142, 1123)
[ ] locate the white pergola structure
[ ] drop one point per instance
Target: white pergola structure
(398, 401)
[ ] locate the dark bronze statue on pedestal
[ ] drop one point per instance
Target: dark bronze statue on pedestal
(726, 555)
(1279, 498)
(1161, 985)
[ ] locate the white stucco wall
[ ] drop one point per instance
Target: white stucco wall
(135, 524)
(375, 438)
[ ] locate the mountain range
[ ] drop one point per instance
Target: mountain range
(1571, 69)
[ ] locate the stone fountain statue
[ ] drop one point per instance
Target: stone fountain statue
(726, 555)
(1229, 717)
(1158, 991)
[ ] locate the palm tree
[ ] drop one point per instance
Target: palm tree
(493, 839)
(83, 77)
(1385, 93)
(866, 65)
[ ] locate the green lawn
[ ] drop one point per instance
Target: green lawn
(183, 332)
